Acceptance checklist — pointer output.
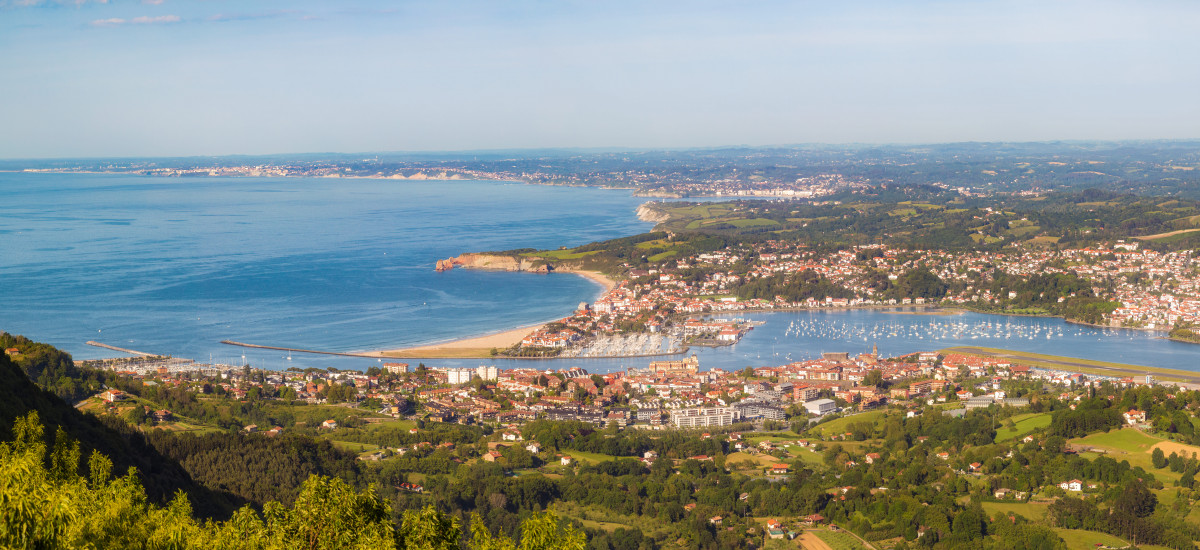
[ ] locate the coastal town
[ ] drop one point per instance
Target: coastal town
(1131, 287)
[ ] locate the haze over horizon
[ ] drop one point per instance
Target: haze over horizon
(190, 78)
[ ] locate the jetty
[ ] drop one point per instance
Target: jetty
(297, 350)
(122, 350)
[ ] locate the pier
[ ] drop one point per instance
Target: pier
(297, 350)
(122, 350)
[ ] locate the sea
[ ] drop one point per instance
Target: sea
(176, 265)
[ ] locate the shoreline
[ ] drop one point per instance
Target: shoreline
(480, 347)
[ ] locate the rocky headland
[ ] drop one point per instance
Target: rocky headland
(495, 262)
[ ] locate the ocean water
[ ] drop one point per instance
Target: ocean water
(175, 265)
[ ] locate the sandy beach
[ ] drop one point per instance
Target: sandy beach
(601, 278)
(481, 346)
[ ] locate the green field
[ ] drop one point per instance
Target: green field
(1033, 511)
(1129, 440)
(588, 458)
(1078, 539)
(839, 540)
(1025, 424)
(568, 254)
(1129, 444)
(839, 426)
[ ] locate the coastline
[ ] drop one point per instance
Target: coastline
(480, 347)
(475, 347)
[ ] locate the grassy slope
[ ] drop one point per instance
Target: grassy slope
(1025, 424)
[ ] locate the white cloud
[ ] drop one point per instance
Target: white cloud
(142, 20)
(34, 3)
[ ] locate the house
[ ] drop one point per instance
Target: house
(1073, 485)
(715, 520)
(534, 447)
(1028, 439)
(491, 456)
(780, 469)
(774, 529)
(814, 519)
(112, 396)
(1002, 493)
(512, 436)
(1135, 416)
(975, 466)
(251, 428)
(566, 460)
(329, 424)
(872, 457)
(944, 455)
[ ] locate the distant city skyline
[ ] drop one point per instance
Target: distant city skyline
(184, 78)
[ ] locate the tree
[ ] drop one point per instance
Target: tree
(1158, 458)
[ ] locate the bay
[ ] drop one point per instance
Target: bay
(174, 266)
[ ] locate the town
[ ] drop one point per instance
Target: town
(1123, 285)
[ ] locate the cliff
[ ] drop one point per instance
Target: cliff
(495, 262)
(648, 213)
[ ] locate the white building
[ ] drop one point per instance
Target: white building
(821, 406)
(487, 372)
(396, 368)
(459, 376)
(711, 416)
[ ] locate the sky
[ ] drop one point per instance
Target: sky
(86, 78)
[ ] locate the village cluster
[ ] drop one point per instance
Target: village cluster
(1156, 291)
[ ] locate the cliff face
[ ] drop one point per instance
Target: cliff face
(647, 213)
(499, 263)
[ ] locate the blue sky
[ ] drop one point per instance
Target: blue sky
(211, 77)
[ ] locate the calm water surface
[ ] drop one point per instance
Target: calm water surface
(174, 266)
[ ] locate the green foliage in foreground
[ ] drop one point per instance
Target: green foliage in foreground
(45, 504)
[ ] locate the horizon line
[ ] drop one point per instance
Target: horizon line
(615, 149)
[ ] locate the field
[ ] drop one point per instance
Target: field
(589, 458)
(1078, 539)
(1025, 424)
(566, 254)
(1071, 364)
(1132, 445)
(839, 540)
(841, 425)
(1168, 447)
(1165, 235)
(1033, 511)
